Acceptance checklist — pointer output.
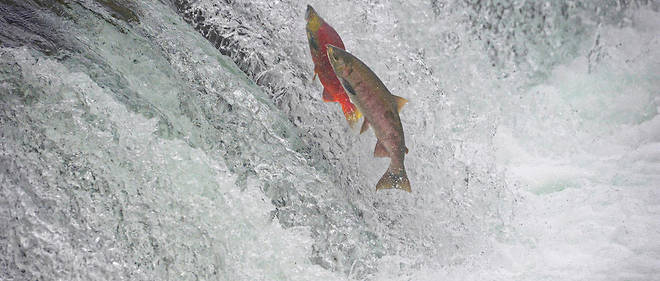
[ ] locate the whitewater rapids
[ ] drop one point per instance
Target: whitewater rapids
(186, 140)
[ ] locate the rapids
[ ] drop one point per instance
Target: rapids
(186, 140)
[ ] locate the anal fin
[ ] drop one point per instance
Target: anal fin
(380, 150)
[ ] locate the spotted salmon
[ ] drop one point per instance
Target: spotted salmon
(381, 111)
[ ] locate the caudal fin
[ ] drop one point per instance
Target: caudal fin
(394, 178)
(351, 113)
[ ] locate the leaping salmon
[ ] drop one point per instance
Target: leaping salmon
(380, 109)
(319, 34)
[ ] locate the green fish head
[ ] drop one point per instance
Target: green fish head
(310, 13)
(314, 21)
(339, 59)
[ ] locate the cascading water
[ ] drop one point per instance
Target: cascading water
(186, 140)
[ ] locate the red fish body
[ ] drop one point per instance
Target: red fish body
(319, 35)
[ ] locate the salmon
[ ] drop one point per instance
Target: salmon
(381, 111)
(319, 35)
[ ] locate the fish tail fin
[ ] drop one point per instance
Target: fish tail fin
(351, 113)
(394, 178)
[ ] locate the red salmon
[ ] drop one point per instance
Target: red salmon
(319, 35)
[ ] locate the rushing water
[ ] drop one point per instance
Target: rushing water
(186, 140)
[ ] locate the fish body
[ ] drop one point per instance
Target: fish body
(381, 111)
(319, 35)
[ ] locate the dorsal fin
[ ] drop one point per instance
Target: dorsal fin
(399, 102)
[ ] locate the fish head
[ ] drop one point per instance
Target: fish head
(313, 25)
(339, 59)
(342, 64)
(313, 19)
(310, 12)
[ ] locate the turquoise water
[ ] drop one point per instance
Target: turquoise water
(186, 140)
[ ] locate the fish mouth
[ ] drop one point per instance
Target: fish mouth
(309, 13)
(313, 19)
(333, 58)
(331, 53)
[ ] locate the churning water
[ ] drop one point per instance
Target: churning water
(186, 140)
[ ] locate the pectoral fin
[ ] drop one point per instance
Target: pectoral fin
(399, 102)
(380, 150)
(347, 86)
(365, 126)
(327, 97)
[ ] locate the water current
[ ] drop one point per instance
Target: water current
(187, 140)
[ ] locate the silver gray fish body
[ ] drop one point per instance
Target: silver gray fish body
(381, 111)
